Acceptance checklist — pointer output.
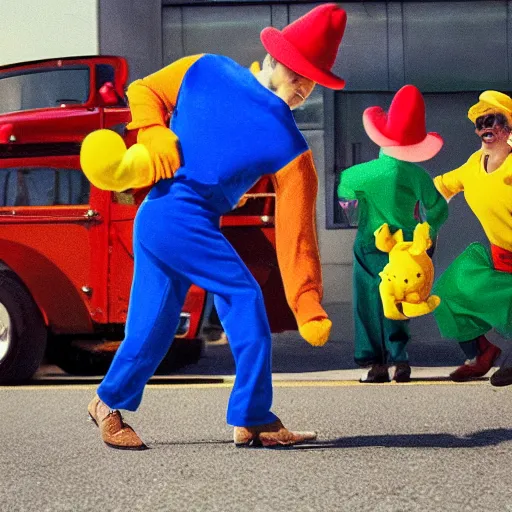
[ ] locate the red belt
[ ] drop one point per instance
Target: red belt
(502, 259)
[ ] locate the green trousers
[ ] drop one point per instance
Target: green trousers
(474, 297)
(378, 340)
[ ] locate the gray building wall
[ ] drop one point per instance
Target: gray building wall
(451, 50)
(132, 29)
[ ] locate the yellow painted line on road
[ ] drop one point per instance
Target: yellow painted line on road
(350, 383)
(277, 384)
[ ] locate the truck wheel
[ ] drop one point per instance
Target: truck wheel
(22, 331)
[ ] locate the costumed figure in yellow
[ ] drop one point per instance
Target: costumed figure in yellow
(476, 289)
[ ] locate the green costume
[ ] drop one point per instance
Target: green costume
(475, 297)
(387, 191)
(475, 291)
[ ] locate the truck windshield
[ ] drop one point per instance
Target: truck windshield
(32, 89)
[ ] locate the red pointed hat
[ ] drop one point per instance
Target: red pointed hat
(402, 131)
(309, 45)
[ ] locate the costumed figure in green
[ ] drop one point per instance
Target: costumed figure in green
(389, 190)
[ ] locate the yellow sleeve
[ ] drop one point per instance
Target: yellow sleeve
(296, 187)
(152, 99)
(451, 183)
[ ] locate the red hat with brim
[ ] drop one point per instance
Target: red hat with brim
(401, 132)
(309, 45)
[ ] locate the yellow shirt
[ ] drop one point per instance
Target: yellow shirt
(486, 194)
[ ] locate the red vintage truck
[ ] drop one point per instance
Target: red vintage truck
(66, 258)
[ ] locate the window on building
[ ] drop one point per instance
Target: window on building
(351, 146)
(43, 186)
(446, 114)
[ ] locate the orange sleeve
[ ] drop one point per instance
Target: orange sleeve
(296, 187)
(152, 99)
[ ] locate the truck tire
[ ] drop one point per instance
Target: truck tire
(22, 331)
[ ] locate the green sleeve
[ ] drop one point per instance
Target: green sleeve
(435, 205)
(352, 182)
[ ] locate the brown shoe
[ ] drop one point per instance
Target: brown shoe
(114, 431)
(271, 434)
(480, 365)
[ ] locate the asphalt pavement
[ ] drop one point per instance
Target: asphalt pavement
(427, 445)
(434, 446)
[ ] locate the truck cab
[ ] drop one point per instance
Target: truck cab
(66, 257)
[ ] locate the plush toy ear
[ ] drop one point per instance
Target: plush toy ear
(398, 236)
(421, 239)
(384, 240)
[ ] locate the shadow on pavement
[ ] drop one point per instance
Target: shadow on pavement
(480, 439)
(291, 354)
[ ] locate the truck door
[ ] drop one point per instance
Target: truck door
(50, 224)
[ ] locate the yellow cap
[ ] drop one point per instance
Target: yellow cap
(492, 102)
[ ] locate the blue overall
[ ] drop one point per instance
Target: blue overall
(232, 131)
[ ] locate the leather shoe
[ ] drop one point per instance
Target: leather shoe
(377, 374)
(502, 377)
(270, 435)
(402, 372)
(480, 365)
(114, 431)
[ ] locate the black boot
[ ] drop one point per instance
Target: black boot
(503, 376)
(377, 374)
(402, 372)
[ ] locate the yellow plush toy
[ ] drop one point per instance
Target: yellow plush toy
(408, 277)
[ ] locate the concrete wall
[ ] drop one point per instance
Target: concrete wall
(132, 29)
(32, 30)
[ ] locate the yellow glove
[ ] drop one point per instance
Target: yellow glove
(108, 165)
(163, 146)
(316, 332)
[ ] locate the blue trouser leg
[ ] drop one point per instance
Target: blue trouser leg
(251, 398)
(156, 300)
(181, 233)
(210, 262)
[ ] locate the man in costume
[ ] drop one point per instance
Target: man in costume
(476, 289)
(228, 128)
(388, 190)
